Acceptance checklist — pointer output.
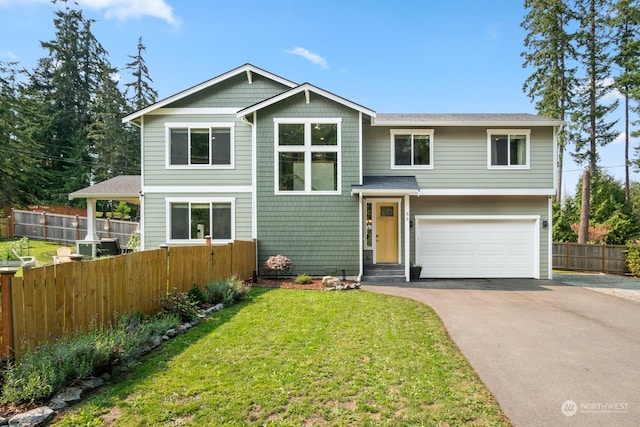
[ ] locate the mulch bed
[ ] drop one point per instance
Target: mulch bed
(288, 283)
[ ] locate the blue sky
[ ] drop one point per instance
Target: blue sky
(457, 56)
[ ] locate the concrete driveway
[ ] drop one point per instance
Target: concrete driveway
(552, 354)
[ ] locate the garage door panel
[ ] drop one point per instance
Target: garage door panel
(476, 247)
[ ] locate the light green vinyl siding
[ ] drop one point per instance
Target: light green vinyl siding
(460, 160)
(156, 215)
(496, 205)
(156, 172)
(315, 231)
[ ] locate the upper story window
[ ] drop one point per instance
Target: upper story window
(200, 145)
(307, 156)
(411, 148)
(508, 148)
(194, 219)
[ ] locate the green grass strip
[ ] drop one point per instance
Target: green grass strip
(291, 357)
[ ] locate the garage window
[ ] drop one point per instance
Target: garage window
(508, 148)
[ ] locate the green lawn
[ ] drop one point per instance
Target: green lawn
(42, 250)
(301, 357)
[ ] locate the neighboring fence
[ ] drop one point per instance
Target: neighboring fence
(588, 257)
(57, 300)
(68, 228)
(5, 228)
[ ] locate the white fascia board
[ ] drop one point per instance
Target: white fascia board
(172, 189)
(488, 192)
(386, 192)
(194, 111)
(194, 89)
(305, 87)
(454, 123)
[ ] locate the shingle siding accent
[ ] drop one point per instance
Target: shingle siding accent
(460, 160)
(235, 92)
(476, 205)
(315, 231)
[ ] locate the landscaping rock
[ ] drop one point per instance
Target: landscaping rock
(218, 306)
(171, 333)
(35, 417)
(91, 383)
(331, 281)
(69, 395)
(4, 421)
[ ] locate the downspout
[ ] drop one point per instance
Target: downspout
(407, 238)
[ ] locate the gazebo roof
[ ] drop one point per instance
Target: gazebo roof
(124, 187)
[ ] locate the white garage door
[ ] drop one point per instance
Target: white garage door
(477, 247)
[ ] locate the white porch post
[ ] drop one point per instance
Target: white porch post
(407, 238)
(91, 220)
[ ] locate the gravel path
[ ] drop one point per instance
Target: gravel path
(619, 286)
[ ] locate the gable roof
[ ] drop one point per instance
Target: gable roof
(306, 88)
(386, 185)
(479, 119)
(246, 68)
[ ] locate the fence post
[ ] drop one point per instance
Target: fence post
(566, 255)
(6, 274)
(603, 260)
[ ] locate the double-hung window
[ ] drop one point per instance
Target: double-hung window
(197, 145)
(508, 148)
(194, 219)
(307, 156)
(412, 148)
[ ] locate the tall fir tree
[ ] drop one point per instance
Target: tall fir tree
(551, 54)
(140, 93)
(65, 81)
(591, 125)
(18, 151)
(626, 36)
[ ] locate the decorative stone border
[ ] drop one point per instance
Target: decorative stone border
(71, 395)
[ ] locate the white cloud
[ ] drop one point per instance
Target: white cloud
(118, 9)
(8, 54)
(620, 139)
(125, 9)
(310, 56)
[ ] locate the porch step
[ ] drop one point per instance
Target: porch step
(384, 273)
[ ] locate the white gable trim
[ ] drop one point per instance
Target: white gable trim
(247, 68)
(194, 111)
(307, 89)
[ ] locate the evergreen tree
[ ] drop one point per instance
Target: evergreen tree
(107, 136)
(549, 51)
(17, 149)
(65, 82)
(139, 94)
(591, 128)
(626, 27)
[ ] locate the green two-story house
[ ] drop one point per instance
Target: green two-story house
(343, 190)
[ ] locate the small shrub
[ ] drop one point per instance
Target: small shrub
(227, 291)
(277, 264)
(197, 294)
(633, 258)
(181, 305)
(303, 279)
(40, 373)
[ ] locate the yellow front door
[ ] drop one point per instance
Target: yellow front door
(387, 233)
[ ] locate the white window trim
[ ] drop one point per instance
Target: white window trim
(199, 125)
(412, 132)
(307, 149)
(526, 132)
(170, 200)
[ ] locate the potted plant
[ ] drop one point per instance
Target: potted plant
(414, 271)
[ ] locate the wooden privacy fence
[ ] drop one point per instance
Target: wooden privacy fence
(67, 228)
(62, 299)
(589, 257)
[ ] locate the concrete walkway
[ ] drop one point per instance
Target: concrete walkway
(552, 354)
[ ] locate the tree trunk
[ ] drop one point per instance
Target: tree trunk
(583, 233)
